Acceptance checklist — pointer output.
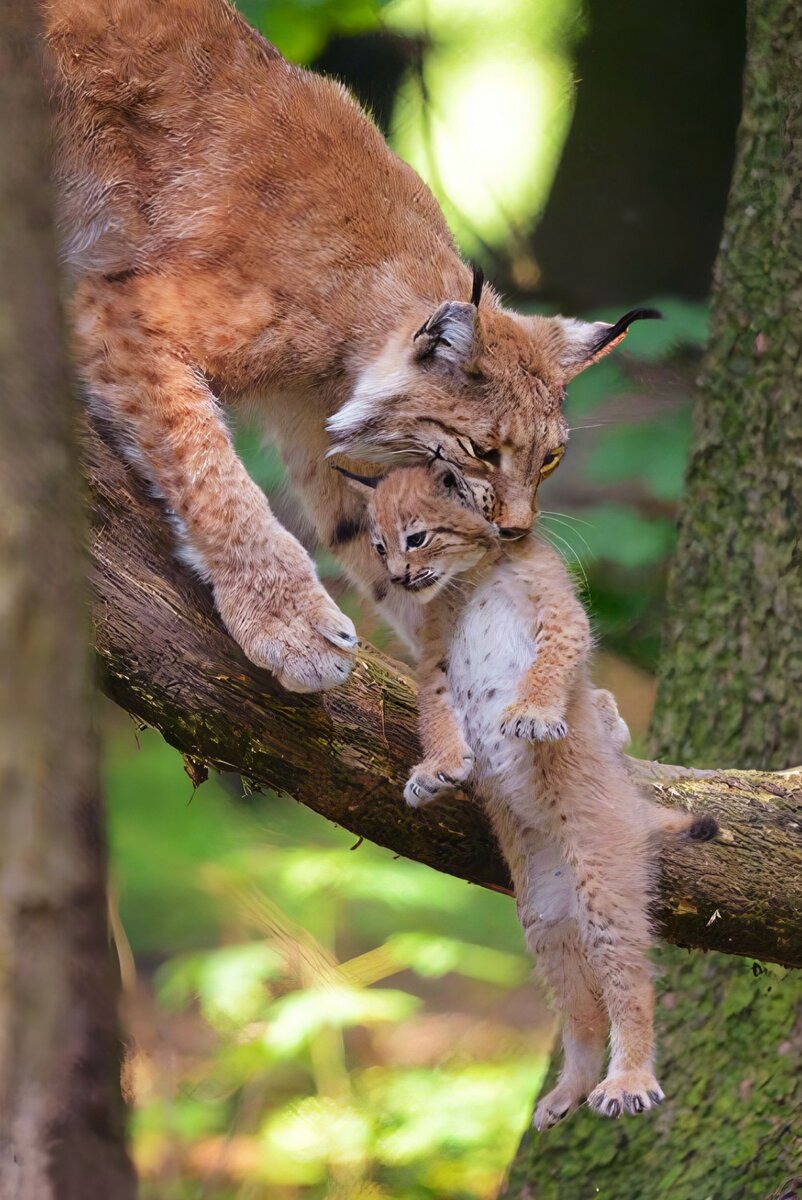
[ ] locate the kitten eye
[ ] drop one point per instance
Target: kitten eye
(551, 461)
(416, 539)
(380, 549)
(449, 481)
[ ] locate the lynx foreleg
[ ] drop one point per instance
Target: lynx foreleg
(448, 759)
(169, 423)
(562, 636)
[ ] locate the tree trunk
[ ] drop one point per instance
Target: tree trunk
(60, 1108)
(731, 689)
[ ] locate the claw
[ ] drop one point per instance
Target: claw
(341, 638)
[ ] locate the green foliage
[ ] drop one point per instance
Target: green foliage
(301, 28)
(286, 954)
(636, 463)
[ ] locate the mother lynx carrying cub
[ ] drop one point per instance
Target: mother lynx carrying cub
(239, 233)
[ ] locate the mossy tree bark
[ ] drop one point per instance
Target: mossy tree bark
(730, 1036)
(61, 1132)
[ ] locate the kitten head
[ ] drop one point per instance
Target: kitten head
(425, 526)
(480, 388)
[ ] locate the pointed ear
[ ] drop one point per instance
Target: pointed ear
(588, 341)
(364, 484)
(450, 337)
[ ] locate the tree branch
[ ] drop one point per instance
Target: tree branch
(167, 660)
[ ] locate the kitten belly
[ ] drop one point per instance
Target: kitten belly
(491, 650)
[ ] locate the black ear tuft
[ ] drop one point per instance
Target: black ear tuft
(622, 325)
(478, 284)
(371, 481)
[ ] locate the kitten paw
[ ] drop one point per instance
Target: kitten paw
(560, 1103)
(433, 778)
(533, 725)
(628, 1091)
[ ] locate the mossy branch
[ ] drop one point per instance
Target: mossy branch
(166, 659)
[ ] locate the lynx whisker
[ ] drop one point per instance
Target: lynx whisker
(578, 532)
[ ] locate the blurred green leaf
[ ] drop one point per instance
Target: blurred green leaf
(652, 452)
(229, 982)
(621, 535)
(295, 1019)
(437, 956)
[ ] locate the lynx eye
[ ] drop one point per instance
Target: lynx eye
(380, 549)
(551, 461)
(489, 456)
(414, 540)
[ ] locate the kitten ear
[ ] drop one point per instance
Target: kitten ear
(449, 337)
(588, 341)
(364, 484)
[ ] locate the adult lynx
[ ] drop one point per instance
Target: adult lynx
(240, 233)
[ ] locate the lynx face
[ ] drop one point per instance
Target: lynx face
(426, 529)
(482, 390)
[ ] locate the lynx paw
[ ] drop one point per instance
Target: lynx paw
(533, 724)
(432, 778)
(557, 1105)
(627, 1091)
(295, 630)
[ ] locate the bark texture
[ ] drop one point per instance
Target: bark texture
(347, 753)
(60, 1108)
(730, 1036)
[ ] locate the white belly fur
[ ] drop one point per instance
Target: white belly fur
(491, 650)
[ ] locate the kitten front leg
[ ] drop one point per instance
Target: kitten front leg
(562, 637)
(169, 423)
(448, 759)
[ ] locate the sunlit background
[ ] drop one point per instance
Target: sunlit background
(310, 1017)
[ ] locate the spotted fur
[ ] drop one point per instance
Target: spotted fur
(239, 233)
(505, 699)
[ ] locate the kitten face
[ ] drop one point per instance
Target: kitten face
(426, 528)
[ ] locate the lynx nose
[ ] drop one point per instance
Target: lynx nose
(510, 534)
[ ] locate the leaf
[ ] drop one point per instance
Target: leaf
(434, 957)
(230, 982)
(296, 1019)
(653, 452)
(621, 535)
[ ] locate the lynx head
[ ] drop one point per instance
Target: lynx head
(425, 526)
(480, 388)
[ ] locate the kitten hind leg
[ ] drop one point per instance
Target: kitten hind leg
(545, 890)
(562, 962)
(616, 932)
